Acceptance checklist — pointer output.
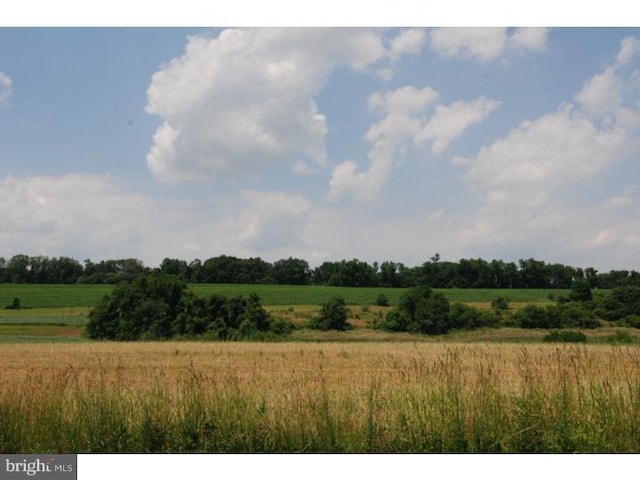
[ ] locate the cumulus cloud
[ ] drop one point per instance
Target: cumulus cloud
(534, 39)
(5, 87)
(450, 121)
(410, 41)
(525, 182)
(409, 121)
(608, 94)
(546, 152)
(485, 44)
(244, 100)
(629, 47)
(602, 94)
(273, 221)
(72, 214)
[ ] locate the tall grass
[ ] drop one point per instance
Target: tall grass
(178, 397)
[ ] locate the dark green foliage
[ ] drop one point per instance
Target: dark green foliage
(581, 291)
(382, 300)
(436, 273)
(565, 336)
(562, 315)
(291, 271)
(14, 305)
(533, 316)
(632, 321)
(333, 316)
(160, 306)
(500, 305)
(622, 337)
(621, 302)
(466, 317)
(420, 310)
(571, 314)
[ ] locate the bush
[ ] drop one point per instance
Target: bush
(421, 311)
(565, 336)
(382, 300)
(159, 306)
(533, 316)
(562, 315)
(581, 291)
(622, 337)
(500, 305)
(463, 316)
(571, 314)
(632, 321)
(333, 316)
(622, 302)
(14, 305)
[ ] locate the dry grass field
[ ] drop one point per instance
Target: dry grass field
(303, 397)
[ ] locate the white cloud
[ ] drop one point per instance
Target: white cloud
(485, 44)
(405, 125)
(5, 87)
(273, 222)
(403, 100)
(96, 217)
(244, 101)
(546, 152)
(527, 183)
(602, 94)
(629, 47)
(410, 41)
(449, 122)
(76, 215)
(611, 94)
(534, 39)
(625, 199)
(603, 238)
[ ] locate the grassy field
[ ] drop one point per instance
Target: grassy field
(58, 313)
(490, 390)
(318, 397)
(45, 296)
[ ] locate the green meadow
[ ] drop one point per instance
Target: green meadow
(37, 296)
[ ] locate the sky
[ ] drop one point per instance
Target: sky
(321, 143)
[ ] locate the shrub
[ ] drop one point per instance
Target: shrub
(333, 316)
(562, 315)
(622, 337)
(382, 300)
(159, 306)
(571, 314)
(533, 316)
(500, 305)
(581, 291)
(622, 302)
(632, 321)
(14, 305)
(420, 310)
(565, 336)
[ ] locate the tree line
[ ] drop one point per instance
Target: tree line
(465, 273)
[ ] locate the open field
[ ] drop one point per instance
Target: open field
(43, 296)
(58, 313)
(318, 397)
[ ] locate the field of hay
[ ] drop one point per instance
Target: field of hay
(318, 397)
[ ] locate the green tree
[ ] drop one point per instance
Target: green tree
(419, 310)
(291, 271)
(581, 291)
(333, 316)
(622, 302)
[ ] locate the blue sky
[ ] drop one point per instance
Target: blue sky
(324, 144)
